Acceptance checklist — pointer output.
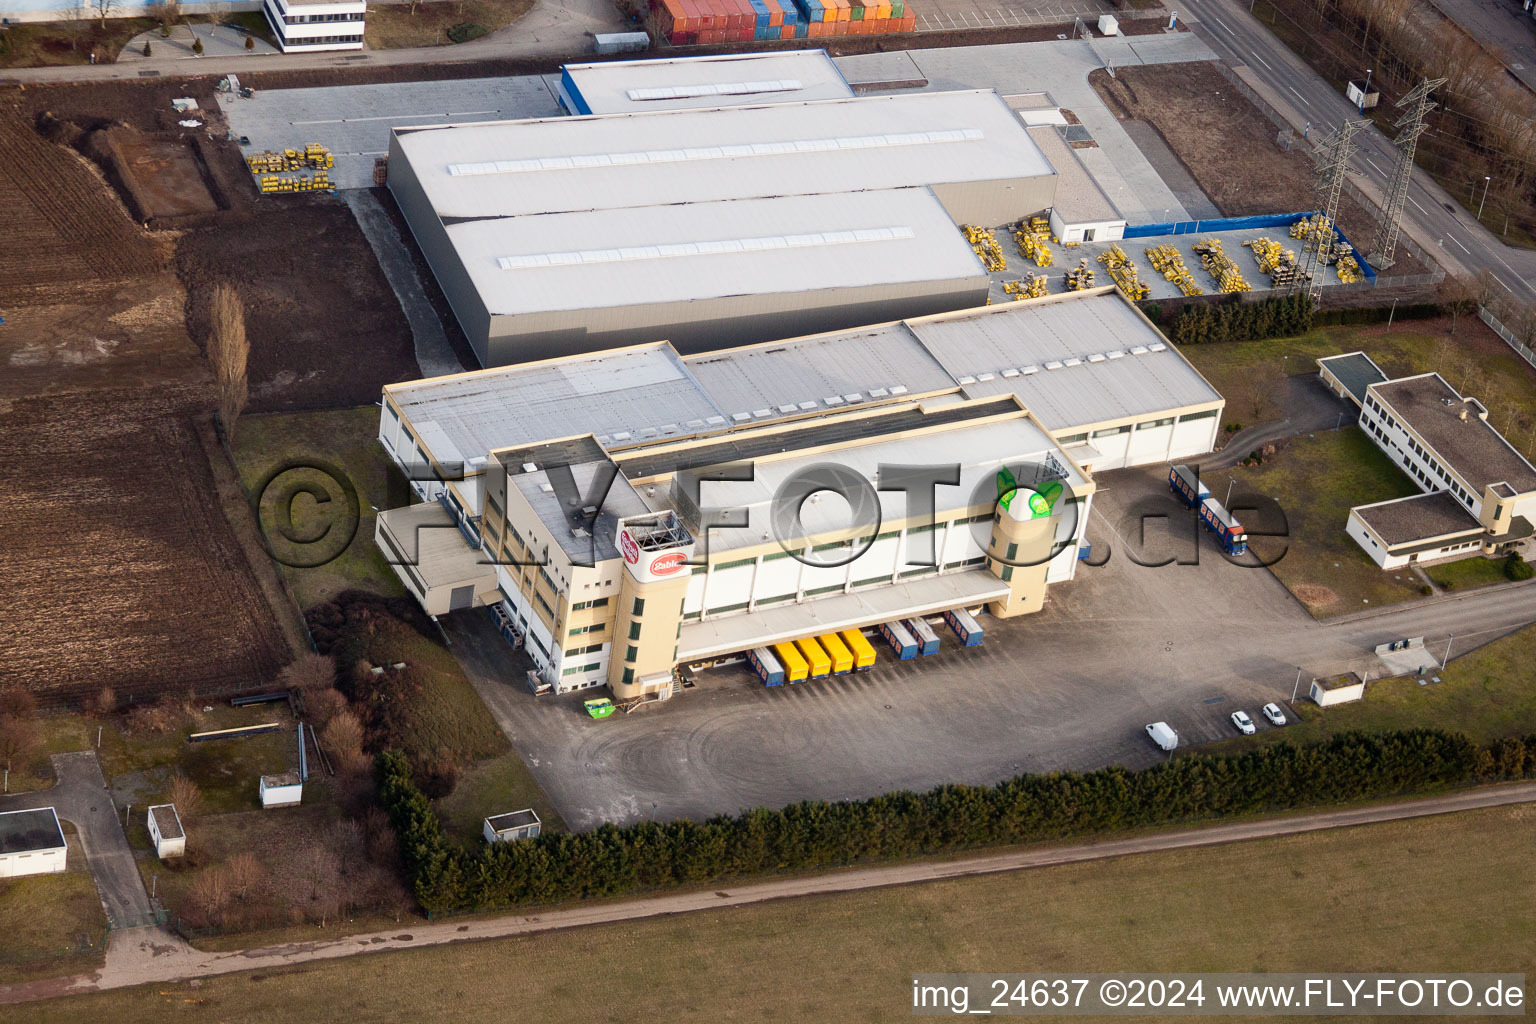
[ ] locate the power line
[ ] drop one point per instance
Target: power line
(1418, 105)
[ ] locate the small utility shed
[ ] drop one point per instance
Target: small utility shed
(505, 828)
(284, 790)
(1081, 212)
(165, 829)
(31, 843)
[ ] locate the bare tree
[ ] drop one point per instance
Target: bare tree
(1458, 297)
(209, 893)
(106, 701)
(104, 9)
(308, 670)
(343, 739)
(187, 797)
(228, 352)
(322, 705)
(245, 872)
(18, 738)
(17, 702)
(318, 869)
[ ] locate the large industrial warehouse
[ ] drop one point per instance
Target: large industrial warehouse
(671, 83)
(1047, 390)
(565, 235)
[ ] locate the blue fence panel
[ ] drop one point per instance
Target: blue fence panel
(1267, 220)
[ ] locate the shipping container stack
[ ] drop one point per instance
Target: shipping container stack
(688, 22)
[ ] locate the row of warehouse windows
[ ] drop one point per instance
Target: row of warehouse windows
(1066, 439)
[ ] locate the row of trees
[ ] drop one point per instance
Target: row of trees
(1204, 323)
(614, 860)
(1487, 124)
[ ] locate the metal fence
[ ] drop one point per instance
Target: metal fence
(1509, 336)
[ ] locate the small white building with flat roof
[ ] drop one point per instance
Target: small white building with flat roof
(31, 843)
(510, 827)
(165, 831)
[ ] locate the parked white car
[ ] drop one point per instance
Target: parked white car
(1244, 723)
(1274, 714)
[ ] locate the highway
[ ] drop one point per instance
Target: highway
(1432, 218)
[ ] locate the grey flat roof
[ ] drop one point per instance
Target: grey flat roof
(632, 389)
(824, 371)
(1418, 518)
(1471, 447)
(30, 831)
(620, 502)
(676, 254)
(1123, 366)
(1356, 371)
(167, 821)
(513, 819)
(282, 779)
(553, 165)
(647, 393)
(1078, 197)
(636, 85)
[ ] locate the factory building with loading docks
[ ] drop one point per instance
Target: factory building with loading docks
(712, 227)
(601, 505)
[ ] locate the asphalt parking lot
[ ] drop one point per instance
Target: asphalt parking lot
(1070, 688)
(353, 121)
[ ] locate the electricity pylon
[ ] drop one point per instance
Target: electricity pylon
(1416, 106)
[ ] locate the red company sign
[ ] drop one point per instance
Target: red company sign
(628, 546)
(668, 563)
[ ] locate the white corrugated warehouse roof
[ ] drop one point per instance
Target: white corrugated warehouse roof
(720, 80)
(507, 168)
(786, 378)
(634, 395)
(605, 393)
(656, 254)
(1072, 360)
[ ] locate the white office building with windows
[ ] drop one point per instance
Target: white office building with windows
(303, 26)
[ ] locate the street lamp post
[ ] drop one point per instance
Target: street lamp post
(1487, 180)
(1366, 90)
(1297, 688)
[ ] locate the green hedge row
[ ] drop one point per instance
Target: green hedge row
(1207, 323)
(613, 860)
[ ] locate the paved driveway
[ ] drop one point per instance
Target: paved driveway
(80, 797)
(1067, 689)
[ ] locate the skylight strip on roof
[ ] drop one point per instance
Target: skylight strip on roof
(679, 92)
(712, 247)
(674, 156)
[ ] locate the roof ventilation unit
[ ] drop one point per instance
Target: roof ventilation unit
(898, 389)
(1010, 373)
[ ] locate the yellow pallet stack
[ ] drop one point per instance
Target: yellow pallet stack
(1079, 278)
(1220, 266)
(1123, 272)
(1168, 261)
(1031, 287)
(1312, 228)
(986, 245)
(312, 157)
(320, 181)
(1275, 260)
(1033, 240)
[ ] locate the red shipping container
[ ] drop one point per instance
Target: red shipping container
(693, 15)
(676, 11)
(841, 28)
(709, 17)
(882, 26)
(742, 17)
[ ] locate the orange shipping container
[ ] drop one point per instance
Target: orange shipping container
(775, 13)
(815, 30)
(787, 32)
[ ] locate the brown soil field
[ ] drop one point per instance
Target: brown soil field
(62, 221)
(1228, 145)
(120, 563)
(168, 175)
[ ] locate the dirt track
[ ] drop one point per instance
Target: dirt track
(149, 955)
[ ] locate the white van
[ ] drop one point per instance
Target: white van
(1163, 735)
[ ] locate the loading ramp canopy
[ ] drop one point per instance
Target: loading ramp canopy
(926, 596)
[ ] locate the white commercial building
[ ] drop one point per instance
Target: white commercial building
(305, 26)
(552, 462)
(678, 83)
(1479, 492)
(31, 843)
(712, 227)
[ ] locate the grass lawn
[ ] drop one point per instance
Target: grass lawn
(1475, 361)
(1256, 906)
(1317, 479)
(494, 786)
(53, 924)
(57, 734)
(1488, 694)
(1467, 573)
(348, 440)
(49, 43)
(139, 767)
(391, 26)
